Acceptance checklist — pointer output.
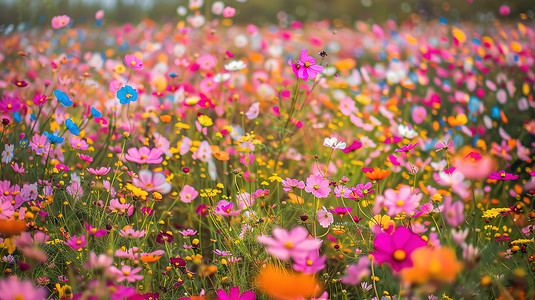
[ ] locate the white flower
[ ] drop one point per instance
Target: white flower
(7, 154)
(407, 132)
(235, 65)
(253, 111)
(333, 143)
(221, 77)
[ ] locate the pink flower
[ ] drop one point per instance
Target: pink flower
(99, 14)
(234, 294)
(396, 249)
(100, 171)
(133, 62)
(60, 21)
(419, 113)
(310, 264)
(305, 67)
(10, 104)
(444, 146)
(187, 232)
(126, 273)
(502, 175)
(152, 182)
(225, 208)
(397, 202)
(362, 190)
(324, 217)
(12, 288)
(78, 143)
(131, 233)
(98, 262)
(206, 61)
(244, 200)
(40, 144)
(145, 155)
(76, 242)
(407, 148)
(229, 12)
(504, 10)
(188, 194)
(294, 243)
(290, 184)
(93, 231)
(318, 186)
(356, 272)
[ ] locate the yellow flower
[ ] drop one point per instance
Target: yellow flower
(205, 120)
(494, 212)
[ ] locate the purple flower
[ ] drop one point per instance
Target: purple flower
(163, 237)
(76, 242)
(362, 190)
(285, 244)
(305, 67)
(318, 186)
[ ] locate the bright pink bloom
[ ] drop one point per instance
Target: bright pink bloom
(419, 113)
(225, 208)
(100, 171)
(397, 202)
(318, 186)
(60, 21)
(290, 184)
(229, 12)
(133, 62)
(93, 231)
(502, 175)
(152, 182)
(305, 67)
(362, 190)
(12, 288)
(126, 273)
(406, 148)
(396, 249)
(188, 194)
(187, 232)
(294, 243)
(10, 104)
(324, 217)
(76, 242)
(355, 273)
(234, 294)
(145, 155)
(310, 264)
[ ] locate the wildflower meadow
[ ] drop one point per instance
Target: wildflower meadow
(199, 158)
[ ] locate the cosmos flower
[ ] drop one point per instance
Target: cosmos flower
(285, 244)
(396, 249)
(305, 67)
(318, 186)
(144, 155)
(502, 175)
(60, 21)
(234, 294)
(152, 182)
(133, 62)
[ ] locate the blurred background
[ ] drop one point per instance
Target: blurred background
(29, 13)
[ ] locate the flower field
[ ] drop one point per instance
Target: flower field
(201, 159)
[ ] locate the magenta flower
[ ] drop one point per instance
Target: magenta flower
(318, 186)
(444, 146)
(10, 104)
(291, 184)
(188, 232)
(12, 288)
(305, 67)
(126, 273)
(100, 171)
(234, 294)
(225, 208)
(396, 202)
(407, 148)
(362, 190)
(502, 175)
(294, 243)
(133, 62)
(145, 155)
(396, 249)
(355, 273)
(60, 21)
(76, 242)
(93, 231)
(188, 194)
(310, 264)
(152, 182)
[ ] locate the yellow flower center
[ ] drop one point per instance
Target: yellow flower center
(93, 230)
(6, 193)
(188, 196)
(149, 185)
(18, 83)
(289, 245)
(307, 64)
(400, 203)
(126, 273)
(78, 242)
(9, 106)
(502, 175)
(128, 96)
(143, 156)
(399, 255)
(78, 145)
(309, 262)
(316, 187)
(133, 63)
(18, 297)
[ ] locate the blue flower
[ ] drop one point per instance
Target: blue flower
(127, 94)
(63, 98)
(72, 127)
(17, 116)
(95, 112)
(53, 139)
(24, 143)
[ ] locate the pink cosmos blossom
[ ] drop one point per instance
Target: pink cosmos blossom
(10, 104)
(76, 242)
(60, 21)
(225, 208)
(397, 202)
(324, 217)
(453, 212)
(100, 171)
(362, 190)
(131, 233)
(318, 186)
(253, 111)
(244, 200)
(206, 61)
(290, 184)
(229, 12)
(152, 182)
(285, 244)
(102, 261)
(188, 194)
(356, 272)
(310, 263)
(145, 155)
(305, 67)
(121, 208)
(78, 143)
(126, 273)
(502, 175)
(234, 294)
(407, 148)
(40, 144)
(94, 231)
(419, 113)
(133, 62)
(188, 232)
(396, 249)
(204, 152)
(12, 288)
(342, 191)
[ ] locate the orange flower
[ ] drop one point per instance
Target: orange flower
(12, 227)
(377, 174)
(219, 154)
(295, 199)
(286, 284)
(432, 266)
(150, 258)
